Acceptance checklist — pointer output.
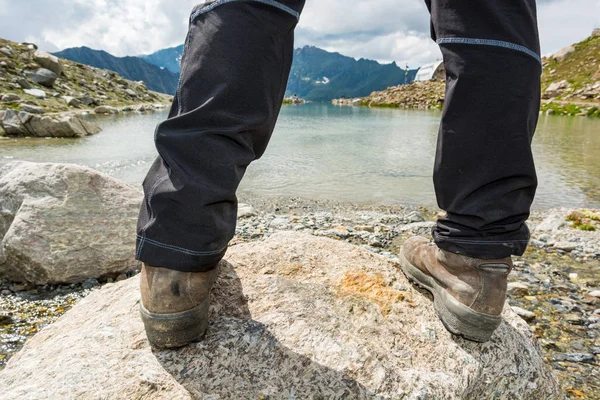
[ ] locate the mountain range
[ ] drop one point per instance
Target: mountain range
(316, 74)
(133, 68)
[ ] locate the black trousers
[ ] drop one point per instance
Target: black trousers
(234, 71)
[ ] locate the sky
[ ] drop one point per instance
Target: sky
(383, 30)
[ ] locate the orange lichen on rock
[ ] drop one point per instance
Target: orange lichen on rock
(372, 288)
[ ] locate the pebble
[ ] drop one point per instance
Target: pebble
(565, 246)
(90, 283)
(519, 289)
(574, 357)
(525, 314)
(574, 319)
(245, 211)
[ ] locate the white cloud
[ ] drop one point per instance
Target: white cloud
(385, 30)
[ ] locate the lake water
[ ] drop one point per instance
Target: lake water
(364, 155)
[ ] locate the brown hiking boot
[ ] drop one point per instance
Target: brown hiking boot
(175, 305)
(469, 293)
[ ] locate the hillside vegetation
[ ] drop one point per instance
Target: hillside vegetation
(570, 85)
(26, 83)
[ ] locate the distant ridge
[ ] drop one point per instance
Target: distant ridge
(317, 74)
(133, 68)
(167, 58)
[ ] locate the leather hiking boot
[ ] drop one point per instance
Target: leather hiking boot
(175, 305)
(469, 293)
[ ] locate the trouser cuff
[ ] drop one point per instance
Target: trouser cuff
(157, 254)
(481, 247)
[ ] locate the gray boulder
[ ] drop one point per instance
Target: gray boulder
(87, 100)
(131, 92)
(10, 97)
(293, 317)
(106, 110)
(62, 125)
(43, 76)
(12, 123)
(563, 53)
(72, 101)
(48, 61)
(37, 93)
(25, 123)
(32, 109)
(64, 223)
(23, 83)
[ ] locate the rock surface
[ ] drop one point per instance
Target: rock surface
(48, 61)
(43, 76)
(25, 123)
(563, 53)
(64, 223)
(294, 316)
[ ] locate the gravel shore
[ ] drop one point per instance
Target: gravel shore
(555, 286)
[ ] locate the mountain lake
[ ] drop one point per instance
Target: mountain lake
(349, 154)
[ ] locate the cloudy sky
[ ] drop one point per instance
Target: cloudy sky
(384, 30)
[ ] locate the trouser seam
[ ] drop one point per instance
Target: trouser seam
(490, 42)
(180, 249)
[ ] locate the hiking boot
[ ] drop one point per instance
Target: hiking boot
(175, 305)
(469, 293)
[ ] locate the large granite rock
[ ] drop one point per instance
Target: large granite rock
(564, 53)
(25, 123)
(293, 317)
(43, 76)
(48, 61)
(64, 223)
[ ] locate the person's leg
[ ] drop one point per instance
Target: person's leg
(484, 173)
(234, 71)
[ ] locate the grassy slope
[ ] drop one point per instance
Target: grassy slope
(578, 69)
(581, 69)
(77, 80)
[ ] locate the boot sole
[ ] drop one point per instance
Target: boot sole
(456, 317)
(169, 331)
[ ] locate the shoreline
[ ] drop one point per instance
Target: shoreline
(70, 124)
(431, 95)
(553, 285)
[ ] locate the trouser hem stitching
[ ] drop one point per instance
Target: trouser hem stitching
(179, 249)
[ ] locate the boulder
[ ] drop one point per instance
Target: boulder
(553, 222)
(62, 125)
(563, 53)
(64, 223)
(555, 89)
(87, 100)
(32, 109)
(23, 83)
(7, 51)
(43, 76)
(48, 61)
(106, 110)
(37, 93)
(71, 101)
(12, 124)
(596, 32)
(10, 97)
(292, 317)
(131, 92)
